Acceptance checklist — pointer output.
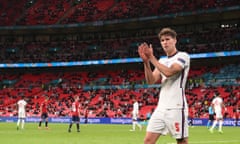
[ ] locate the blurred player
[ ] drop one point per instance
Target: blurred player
(44, 113)
(75, 110)
(191, 115)
(86, 112)
(236, 115)
(171, 114)
(21, 104)
(217, 104)
(210, 116)
(135, 114)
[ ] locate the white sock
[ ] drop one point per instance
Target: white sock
(134, 125)
(220, 125)
(214, 124)
(140, 126)
(18, 122)
(23, 123)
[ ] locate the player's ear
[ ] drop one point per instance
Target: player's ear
(175, 40)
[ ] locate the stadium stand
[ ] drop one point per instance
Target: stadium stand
(29, 46)
(61, 87)
(92, 49)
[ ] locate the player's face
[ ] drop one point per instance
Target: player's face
(168, 43)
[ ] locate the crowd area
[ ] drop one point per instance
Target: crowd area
(44, 12)
(198, 38)
(61, 87)
(115, 45)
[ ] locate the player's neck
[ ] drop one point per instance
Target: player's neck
(172, 53)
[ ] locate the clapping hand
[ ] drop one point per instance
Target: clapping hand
(145, 51)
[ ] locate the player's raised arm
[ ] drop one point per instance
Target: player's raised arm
(150, 76)
(167, 71)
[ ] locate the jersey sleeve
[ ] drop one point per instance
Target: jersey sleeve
(183, 59)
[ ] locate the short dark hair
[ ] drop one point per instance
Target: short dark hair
(167, 31)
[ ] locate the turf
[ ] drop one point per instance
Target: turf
(105, 134)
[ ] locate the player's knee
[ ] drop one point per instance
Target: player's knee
(147, 140)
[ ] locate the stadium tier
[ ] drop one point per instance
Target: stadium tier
(45, 32)
(203, 84)
(36, 12)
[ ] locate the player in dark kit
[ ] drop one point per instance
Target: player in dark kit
(210, 116)
(75, 114)
(44, 113)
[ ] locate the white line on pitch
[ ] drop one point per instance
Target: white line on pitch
(207, 142)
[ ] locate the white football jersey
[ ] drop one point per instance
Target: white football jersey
(21, 105)
(135, 107)
(217, 104)
(172, 94)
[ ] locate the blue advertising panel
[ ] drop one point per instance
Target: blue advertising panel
(110, 61)
(196, 121)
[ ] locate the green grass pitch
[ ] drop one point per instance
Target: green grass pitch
(105, 134)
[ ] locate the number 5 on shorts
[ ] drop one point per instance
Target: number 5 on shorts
(177, 126)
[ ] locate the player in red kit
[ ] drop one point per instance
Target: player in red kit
(86, 114)
(44, 113)
(75, 114)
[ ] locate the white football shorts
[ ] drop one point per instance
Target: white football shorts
(134, 116)
(172, 121)
(219, 114)
(21, 114)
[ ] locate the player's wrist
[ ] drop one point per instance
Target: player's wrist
(151, 57)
